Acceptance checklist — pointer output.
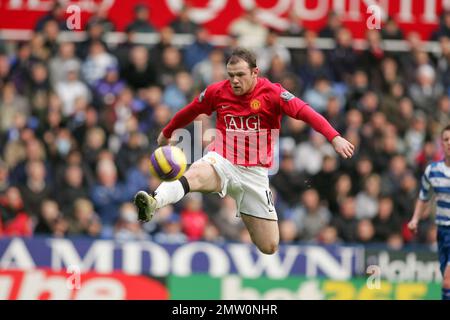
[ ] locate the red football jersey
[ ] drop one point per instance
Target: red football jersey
(248, 125)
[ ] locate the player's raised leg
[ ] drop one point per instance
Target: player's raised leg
(264, 233)
(201, 177)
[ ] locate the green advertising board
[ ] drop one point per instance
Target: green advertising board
(205, 287)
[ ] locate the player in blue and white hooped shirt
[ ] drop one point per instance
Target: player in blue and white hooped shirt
(436, 180)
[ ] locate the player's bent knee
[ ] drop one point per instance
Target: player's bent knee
(268, 247)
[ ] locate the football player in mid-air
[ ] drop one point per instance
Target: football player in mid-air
(249, 109)
(436, 180)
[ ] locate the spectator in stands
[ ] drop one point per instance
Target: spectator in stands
(391, 30)
(140, 72)
(56, 13)
(325, 178)
(372, 57)
(365, 231)
(180, 93)
(166, 39)
(210, 70)
(107, 90)
(51, 221)
(193, 218)
(251, 32)
(358, 86)
(318, 95)
(287, 181)
(100, 17)
(311, 216)
(14, 220)
(133, 149)
(141, 20)
(127, 226)
(443, 63)
(21, 65)
(108, 194)
(36, 189)
(328, 236)
(288, 231)
(334, 23)
(11, 104)
(425, 91)
(58, 64)
(366, 200)
(386, 222)
(309, 155)
(415, 136)
(315, 67)
(73, 188)
(171, 231)
(4, 177)
(97, 62)
(38, 89)
(170, 65)
(343, 57)
(199, 50)
(225, 219)
(183, 22)
(84, 220)
(271, 49)
(51, 33)
(94, 143)
(342, 189)
(295, 26)
(346, 222)
(391, 178)
(444, 27)
(71, 89)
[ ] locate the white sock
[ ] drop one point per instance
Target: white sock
(168, 193)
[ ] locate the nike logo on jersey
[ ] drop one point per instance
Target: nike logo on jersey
(225, 107)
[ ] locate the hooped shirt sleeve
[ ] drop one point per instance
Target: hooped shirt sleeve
(203, 103)
(425, 185)
(298, 109)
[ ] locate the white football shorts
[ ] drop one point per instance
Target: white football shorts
(248, 186)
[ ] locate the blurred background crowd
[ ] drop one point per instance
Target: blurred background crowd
(79, 120)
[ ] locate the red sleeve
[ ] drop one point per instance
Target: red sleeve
(201, 104)
(298, 109)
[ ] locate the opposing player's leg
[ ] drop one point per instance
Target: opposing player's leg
(200, 177)
(446, 283)
(264, 233)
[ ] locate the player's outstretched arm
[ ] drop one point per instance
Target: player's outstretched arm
(343, 147)
(421, 207)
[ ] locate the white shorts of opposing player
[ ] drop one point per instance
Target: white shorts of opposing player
(248, 186)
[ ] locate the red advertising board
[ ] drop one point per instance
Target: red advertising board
(421, 16)
(45, 284)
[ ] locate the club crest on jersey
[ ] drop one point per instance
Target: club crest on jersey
(286, 96)
(255, 105)
(202, 96)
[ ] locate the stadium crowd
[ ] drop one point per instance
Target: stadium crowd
(79, 120)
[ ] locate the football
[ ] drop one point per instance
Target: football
(168, 163)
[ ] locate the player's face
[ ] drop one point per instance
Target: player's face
(446, 143)
(242, 78)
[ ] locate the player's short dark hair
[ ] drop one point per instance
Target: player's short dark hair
(243, 54)
(446, 128)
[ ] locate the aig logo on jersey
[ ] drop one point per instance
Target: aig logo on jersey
(250, 123)
(255, 105)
